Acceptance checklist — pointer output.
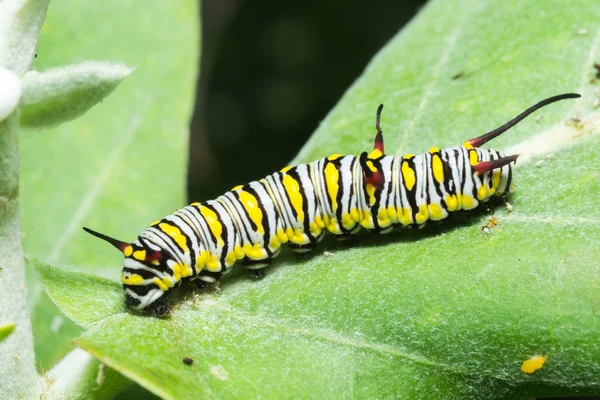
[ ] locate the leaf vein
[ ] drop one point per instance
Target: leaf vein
(337, 338)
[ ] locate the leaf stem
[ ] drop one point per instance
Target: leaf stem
(18, 377)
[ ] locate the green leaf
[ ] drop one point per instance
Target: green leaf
(92, 290)
(6, 329)
(20, 23)
(124, 161)
(444, 312)
(65, 93)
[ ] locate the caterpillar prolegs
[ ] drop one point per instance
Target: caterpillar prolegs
(340, 194)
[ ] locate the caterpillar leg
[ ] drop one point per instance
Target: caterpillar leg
(256, 274)
(256, 268)
(200, 284)
(303, 252)
(347, 238)
(208, 276)
(159, 308)
(307, 255)
(416, 226)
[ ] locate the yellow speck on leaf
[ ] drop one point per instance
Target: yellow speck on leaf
(532, 364)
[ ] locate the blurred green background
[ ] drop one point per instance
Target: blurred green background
(259, 99)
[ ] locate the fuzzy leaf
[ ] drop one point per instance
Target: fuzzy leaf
(20, 23)
(444, 312)
(65, 93)
(85, 311)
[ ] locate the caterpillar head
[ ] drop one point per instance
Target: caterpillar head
(145, 275)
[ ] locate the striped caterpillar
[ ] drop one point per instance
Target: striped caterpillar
(297, 205)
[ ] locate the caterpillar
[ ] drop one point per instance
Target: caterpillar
(340, 194)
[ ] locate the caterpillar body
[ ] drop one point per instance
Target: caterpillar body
(340, 194)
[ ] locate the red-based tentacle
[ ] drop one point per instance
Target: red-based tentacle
(480, 140)
(379, 137)
(117, 243)
(485, 166)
